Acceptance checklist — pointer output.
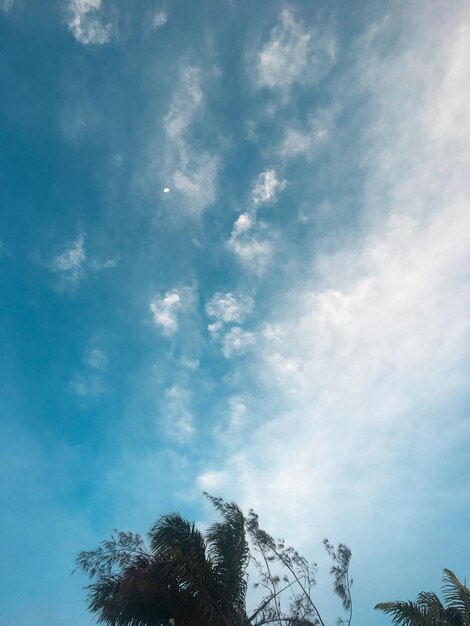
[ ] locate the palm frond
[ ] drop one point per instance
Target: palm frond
(229, 554)
(139, 596)
(182, 550)
(427, 600)
(456, 595)
(175, 540)
(404, 613)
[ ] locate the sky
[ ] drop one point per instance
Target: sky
(234, 258)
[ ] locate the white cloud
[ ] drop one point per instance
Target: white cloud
(195, 180)
(294, 54)
(185, 104)
(236, 341)
(91, 380)
(166, 309)
(252, 242)
(229, 308)
(191, 172)
(87, 385)
(70, 263)
(211, 481)
(178, 419)
(96, 359)
(87, 23)
(266, 188)
(189, 363)
(360, 369)
(237, 414)
(159, 19)
(7, 5)
(307, 141)
(104, 265)
(242, 225)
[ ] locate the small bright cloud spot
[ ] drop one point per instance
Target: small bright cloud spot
(166, 190)
(160, 19)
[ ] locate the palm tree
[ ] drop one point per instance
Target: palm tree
(428, 610)
(185, 578)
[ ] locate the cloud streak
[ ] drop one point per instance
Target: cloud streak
(191, 172)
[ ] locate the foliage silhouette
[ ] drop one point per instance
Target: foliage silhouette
(184, 577)
(428, 610)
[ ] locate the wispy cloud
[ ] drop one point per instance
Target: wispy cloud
(159, 19)
(86, 385)
(294, 54)
(229, 308)
(251, 239)
(178, 419)
(97, 265)
(252, 242)
(236, 341)
(307, 141)
(266, 188)
(235, 420)
(88, 23)
(90, 381)
(166, 309)
(7, 5)
(190, 172)
(72, 263)
(228, 311)
(69, 264)
(97, 358)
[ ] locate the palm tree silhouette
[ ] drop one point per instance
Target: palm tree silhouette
(428, 610)
(185, 579)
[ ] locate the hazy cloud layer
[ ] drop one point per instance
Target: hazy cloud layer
(359, 355)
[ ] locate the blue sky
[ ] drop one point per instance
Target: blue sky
(287, 326)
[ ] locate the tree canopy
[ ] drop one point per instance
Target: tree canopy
(182, 576)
